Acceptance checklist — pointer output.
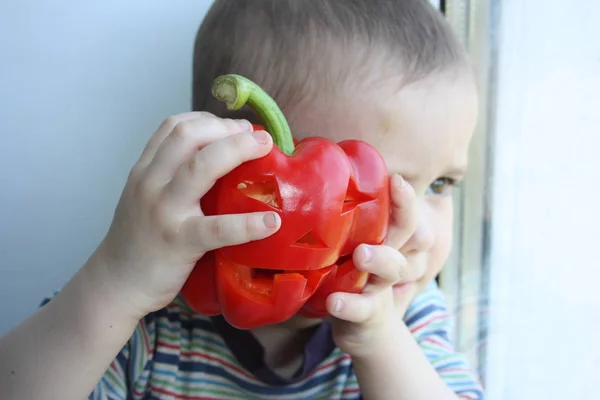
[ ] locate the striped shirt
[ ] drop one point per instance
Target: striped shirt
(177, 354)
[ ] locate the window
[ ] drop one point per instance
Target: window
(464, 279)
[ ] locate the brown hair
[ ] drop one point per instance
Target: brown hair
(298, 49)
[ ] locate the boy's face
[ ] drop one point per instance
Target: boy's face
(423, 133)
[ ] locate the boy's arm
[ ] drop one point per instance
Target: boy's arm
(399, 370)
(64, 349)
(157, 232)
(419, 361)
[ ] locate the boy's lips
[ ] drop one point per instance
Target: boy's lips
(403, 287)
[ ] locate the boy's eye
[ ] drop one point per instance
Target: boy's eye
(442, 186)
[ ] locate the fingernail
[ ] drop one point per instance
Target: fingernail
(244, 124)
(397, 181)
(270, 220)
(367, 254)
(261, 137)
(338, 306)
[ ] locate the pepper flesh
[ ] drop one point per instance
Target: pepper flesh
(330, 197)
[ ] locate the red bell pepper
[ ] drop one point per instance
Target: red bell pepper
(330, 197)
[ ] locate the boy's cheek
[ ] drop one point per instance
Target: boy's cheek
(403, 300)
(440, 251)
(437, 259)
(434, 263)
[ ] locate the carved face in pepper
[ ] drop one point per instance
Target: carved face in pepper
(330, 197)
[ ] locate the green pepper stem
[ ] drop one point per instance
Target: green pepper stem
(236, 91)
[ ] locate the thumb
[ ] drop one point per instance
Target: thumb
(352, 307)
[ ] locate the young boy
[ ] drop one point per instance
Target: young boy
(386, 72)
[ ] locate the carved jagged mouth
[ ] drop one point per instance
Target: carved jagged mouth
(263, 281)
(269, 274)
(343, 259)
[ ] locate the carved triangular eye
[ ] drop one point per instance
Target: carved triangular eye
(354, 197)
(310, 240)
(266, 192)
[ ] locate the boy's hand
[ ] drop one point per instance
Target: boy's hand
(159, 231)
(373, 316)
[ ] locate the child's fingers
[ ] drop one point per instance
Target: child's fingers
(351, 307)
(199, 174)
(386, 265)
(404, 216)
(185, 140)
(163, 131)
(210, 233)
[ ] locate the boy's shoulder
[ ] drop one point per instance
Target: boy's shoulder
(428, 310)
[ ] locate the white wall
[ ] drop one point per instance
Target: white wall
(545, 309)
(82, 86)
